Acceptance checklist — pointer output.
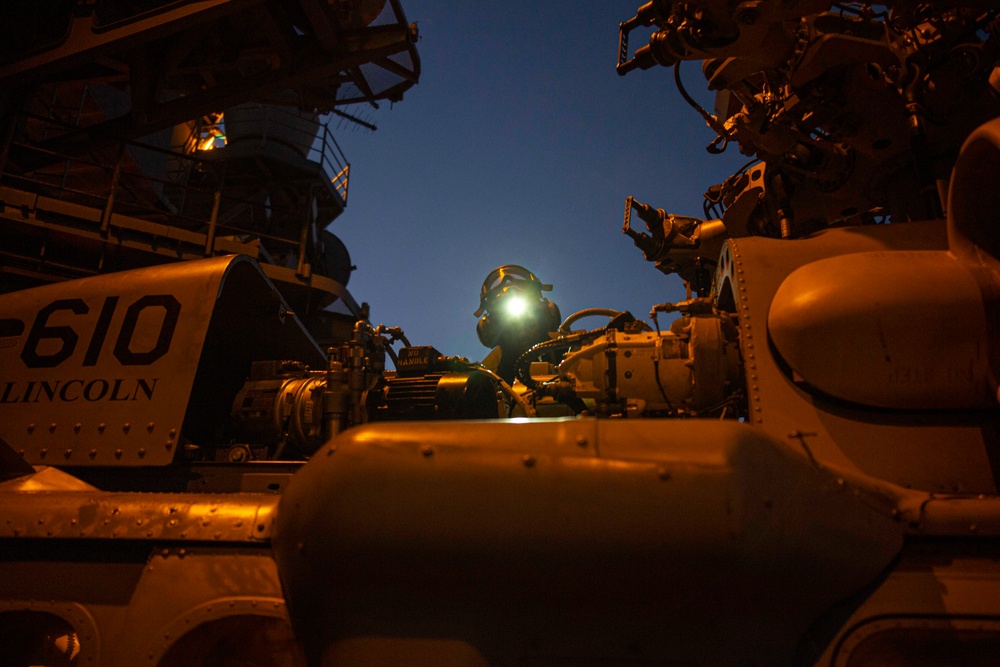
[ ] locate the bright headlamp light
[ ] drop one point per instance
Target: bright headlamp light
(515, 305)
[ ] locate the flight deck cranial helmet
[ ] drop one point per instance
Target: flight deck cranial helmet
(512, 308)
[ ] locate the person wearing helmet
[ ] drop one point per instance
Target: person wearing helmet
(513, 316)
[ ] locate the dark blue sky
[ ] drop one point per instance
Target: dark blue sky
(519, 146)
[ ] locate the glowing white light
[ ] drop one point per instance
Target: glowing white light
(516, 306)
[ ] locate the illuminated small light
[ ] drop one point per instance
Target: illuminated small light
(516, 306)
(213, 140)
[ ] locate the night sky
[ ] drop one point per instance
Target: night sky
(519, 146)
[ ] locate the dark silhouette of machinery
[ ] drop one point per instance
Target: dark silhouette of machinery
(136, 137)
(138, 133)
(801, 469)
